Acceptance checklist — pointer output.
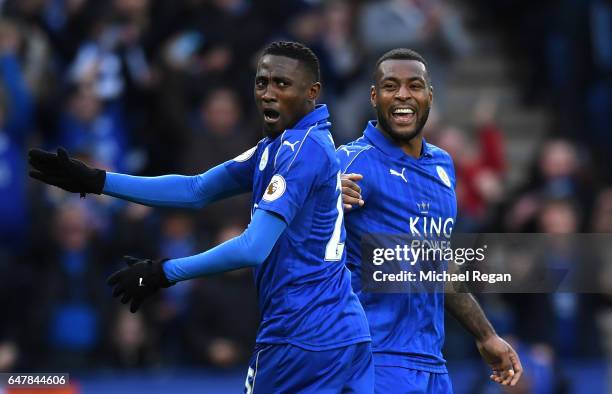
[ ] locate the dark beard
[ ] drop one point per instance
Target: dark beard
(272, 134)
(275, 133)
(397, 137)
(269, 133)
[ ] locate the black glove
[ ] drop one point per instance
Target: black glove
(62, 171)
(139, 280)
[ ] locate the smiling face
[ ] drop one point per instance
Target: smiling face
(402, 98)
(284, 93)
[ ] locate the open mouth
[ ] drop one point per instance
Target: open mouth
(270, 115)
(403, 115)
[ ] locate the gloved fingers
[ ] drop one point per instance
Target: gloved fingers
(114, 278)
(130, 260)
(126, 298)
(39, 155)
(38, 175)
(136, 302)
(118, 290)
(65, 163)
(58, 181)
(44, 161)
(62, 155)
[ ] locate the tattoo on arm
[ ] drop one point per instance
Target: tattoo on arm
(465, 308)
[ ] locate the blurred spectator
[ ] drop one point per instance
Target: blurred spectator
(9, 353)
(130, 342)
(559, 175)
(16, 108)
(479, 168)
(88, 126)
(218, 132)
(432, 28)
(16, 277)
(221, 330)
(601, 221)
(341, 48)
(136, 231)
(71, 291)
(569, 53)
(115, 56)
(206, 51)
(569, 330)
(178, 239)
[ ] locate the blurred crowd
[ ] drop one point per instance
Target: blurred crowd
(155, 87)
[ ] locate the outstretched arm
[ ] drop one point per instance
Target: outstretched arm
(500, 356)
(174, 190)
(61, 170)
(249, 249)
(144, 277)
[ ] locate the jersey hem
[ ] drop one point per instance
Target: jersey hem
(406, 361)
(316, 348)
(272, 209)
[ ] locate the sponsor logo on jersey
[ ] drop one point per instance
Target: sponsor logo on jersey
(423, 207)
(275, 189)
(290, 145)
(399, 174)
(443, 176)
(264, 159)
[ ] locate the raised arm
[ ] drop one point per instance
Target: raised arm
(143, 278)
(164, 191)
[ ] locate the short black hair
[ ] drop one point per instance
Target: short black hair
(401, 54)
(297, 51)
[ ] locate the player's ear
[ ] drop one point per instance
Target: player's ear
(373, 96)
(431, 95)
(315, 90)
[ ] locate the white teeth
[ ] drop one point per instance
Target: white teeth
(404, 111)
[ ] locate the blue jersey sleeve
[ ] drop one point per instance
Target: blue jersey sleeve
(242, 167)
(175, 190)
(297, 174)
(249, 249)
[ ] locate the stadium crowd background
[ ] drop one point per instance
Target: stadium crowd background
(154, 87)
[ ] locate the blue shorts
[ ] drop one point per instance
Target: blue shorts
(401, 380)
(290, 369)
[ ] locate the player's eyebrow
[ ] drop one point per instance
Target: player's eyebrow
(281, 78)
(389, 79)
(417, 78)
(398, 80)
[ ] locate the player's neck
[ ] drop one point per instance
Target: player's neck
(413, 147)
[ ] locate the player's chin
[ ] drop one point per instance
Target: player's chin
(271, 130)
(405, 133)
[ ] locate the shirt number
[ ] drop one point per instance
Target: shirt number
(335, 248)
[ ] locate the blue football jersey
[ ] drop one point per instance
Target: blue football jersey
(304, 287)
(402, 195)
